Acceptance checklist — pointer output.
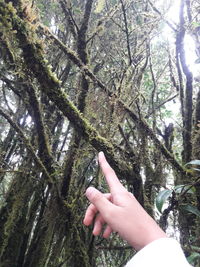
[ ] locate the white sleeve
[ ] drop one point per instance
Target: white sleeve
(163, 252)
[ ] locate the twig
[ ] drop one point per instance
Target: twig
(159, 13)
(126, 31)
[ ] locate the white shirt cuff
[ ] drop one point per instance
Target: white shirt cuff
(163, 252)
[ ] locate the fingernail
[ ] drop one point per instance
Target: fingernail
(89, 191)
(101, 154)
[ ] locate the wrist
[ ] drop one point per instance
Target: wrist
(146, 233)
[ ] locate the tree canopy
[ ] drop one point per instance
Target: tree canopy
(83, 76)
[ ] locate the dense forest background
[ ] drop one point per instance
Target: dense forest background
(82, 76)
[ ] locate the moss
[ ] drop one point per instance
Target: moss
(15, 213)
(51, 73)
(36, 63)
(11, 8)
(6, 13)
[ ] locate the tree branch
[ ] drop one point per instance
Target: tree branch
(72, 56)
(43, 142)
(126, 31)
(36, 63)
(28, 145)
(187, 120)
(32, 53)
(159, 13)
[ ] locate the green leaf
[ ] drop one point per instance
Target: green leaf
(193, 257)
(195, 169)
(100, 6)
(196, 24)
(182, 188)
(193, 162)
(191, 209)
(161, 198)
(77, 10)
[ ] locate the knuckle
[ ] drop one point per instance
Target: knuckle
(95, 196)
(109, 214)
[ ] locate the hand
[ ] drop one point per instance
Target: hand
(120, 212)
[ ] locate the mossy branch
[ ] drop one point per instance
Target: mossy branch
(28, 145)
(141, 123)
(36, 63)
(68, 14)
(38, 68)
(43, 142)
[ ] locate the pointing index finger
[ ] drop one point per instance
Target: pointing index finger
(111, 178)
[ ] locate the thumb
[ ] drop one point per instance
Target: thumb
(102, 204)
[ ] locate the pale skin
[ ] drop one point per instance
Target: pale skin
(119, 211)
